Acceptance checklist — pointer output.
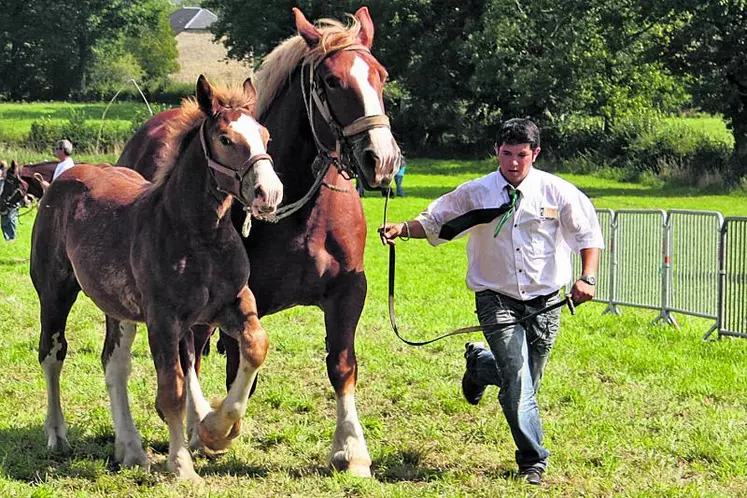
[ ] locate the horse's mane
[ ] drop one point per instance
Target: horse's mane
(278, 66)
(191, 116)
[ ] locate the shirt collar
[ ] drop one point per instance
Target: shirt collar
(526, 184)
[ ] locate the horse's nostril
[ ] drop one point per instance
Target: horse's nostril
(259, 193)
(371, 158)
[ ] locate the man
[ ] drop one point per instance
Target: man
(518, 259)
(63, 150)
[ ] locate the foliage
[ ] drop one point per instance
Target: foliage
(709, 43)
(50, 46)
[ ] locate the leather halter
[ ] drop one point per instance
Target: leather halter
(228, 180)
(318, 95)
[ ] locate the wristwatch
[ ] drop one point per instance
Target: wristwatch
(589, 279)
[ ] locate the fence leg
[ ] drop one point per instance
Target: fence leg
(612, 309)
(713, 328)
(666, 317)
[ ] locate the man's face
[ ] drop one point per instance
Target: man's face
(516, 161)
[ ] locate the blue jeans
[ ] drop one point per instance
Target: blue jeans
(9, 222)
(515, 362)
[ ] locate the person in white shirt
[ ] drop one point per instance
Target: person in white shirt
(63, 150)
(518, 259)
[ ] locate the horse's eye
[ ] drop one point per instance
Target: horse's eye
(224, 140)
(332, 82)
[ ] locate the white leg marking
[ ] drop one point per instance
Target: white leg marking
(180, 461)
(197, 407)
(128, 446)
(349, 450)
(54, 426)
(218, 424)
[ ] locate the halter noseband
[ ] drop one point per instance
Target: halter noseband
(229, 180)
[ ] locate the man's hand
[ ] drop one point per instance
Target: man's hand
(582, 292)
(390, 231)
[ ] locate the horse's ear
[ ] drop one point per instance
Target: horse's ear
(249, 89)
(366, 34)
(204, 94)
(307, 30)
(13, 166)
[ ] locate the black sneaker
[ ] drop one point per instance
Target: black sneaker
(472, 390)
(531, 476)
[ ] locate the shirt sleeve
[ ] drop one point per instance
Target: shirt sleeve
(579, 222)
(444, 209)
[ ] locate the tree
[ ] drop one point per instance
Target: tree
(48, 46)
(709, 42)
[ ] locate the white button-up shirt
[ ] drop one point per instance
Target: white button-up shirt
(530, 256)
(62, 167)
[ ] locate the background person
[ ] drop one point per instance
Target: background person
(63, 149)
(12, 201)
(517, 263)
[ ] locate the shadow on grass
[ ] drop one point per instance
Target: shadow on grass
(404, 465)
(24, 457)
(14, 261)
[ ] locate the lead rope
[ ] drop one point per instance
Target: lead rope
(465, 330)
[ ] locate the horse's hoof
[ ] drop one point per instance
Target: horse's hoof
(58, 445)
(355, 467)
(216, 445)
(130, 456)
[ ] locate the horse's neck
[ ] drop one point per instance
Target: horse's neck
(188, 195)
(292, 146)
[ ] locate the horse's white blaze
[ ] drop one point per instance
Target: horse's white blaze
(264, 173)
(248, 128)
(127, 442)
(349, 445)
(371, 103)
(54, 425)
(382, 140)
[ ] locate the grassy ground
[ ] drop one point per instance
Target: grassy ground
(16, 118)
(629, 409)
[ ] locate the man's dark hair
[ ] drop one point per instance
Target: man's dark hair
(519, 131)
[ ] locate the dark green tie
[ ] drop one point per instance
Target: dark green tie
(513, 195)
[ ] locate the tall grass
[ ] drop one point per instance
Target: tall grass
(629, 409)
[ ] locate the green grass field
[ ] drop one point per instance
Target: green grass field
(629, 409)
(16, 118)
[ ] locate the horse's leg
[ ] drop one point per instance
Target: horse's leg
(56, 299)
(197, 406)
(163, 338)
(239, 320)
(230, 347)
(117, 362)
(342, 310)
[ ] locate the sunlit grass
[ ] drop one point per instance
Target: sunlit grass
(629, 409)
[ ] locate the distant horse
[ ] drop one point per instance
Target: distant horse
(14, 189)
(33, 173)
(320, 95)
(164, 253)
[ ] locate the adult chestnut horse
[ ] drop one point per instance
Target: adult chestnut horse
(163, 253)
(320, 95)
(31, 173)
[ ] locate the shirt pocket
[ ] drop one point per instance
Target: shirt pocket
(543, 236)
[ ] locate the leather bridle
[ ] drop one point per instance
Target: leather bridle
(342, 155)
(228, 180)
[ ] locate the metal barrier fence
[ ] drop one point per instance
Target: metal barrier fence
(733, 283)
(689, 262)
